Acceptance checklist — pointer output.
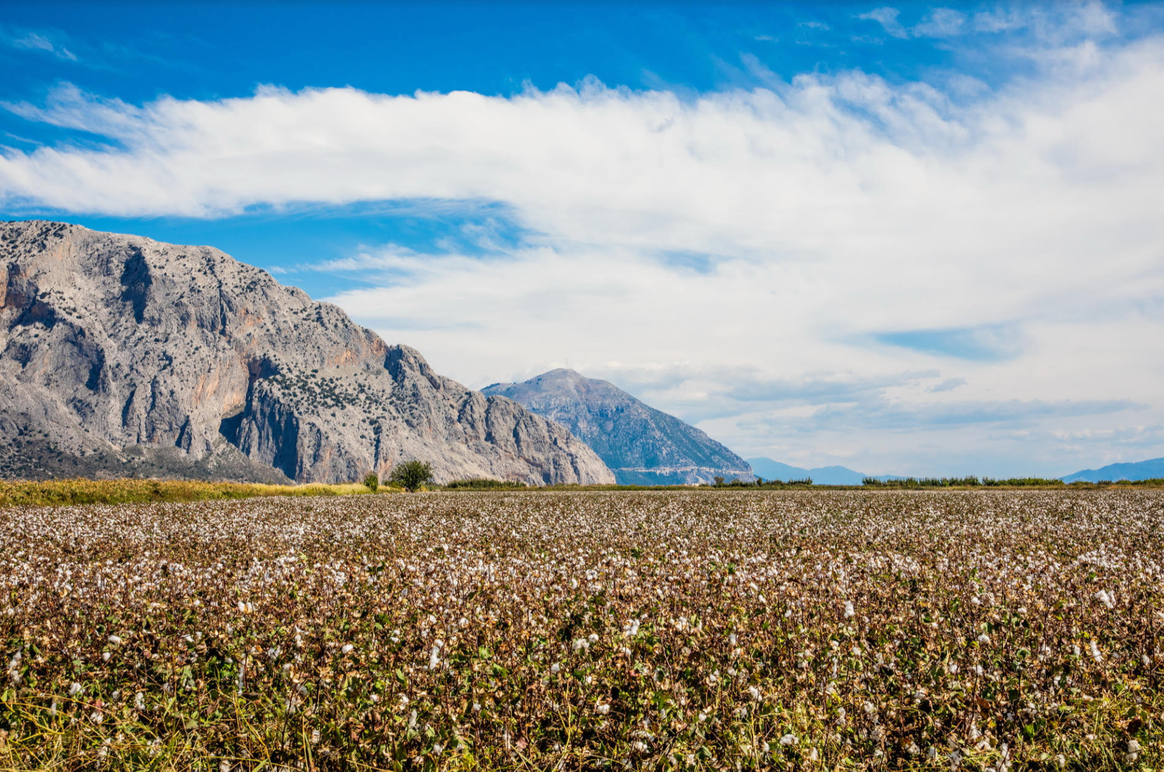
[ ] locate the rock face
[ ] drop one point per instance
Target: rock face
(641, 445)
(121, 355)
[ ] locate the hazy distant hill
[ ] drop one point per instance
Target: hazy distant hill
(1139, 470)
(122, 356)
(641, 445)
(824, 475)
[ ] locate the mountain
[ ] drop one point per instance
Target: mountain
(641, 445)
(824, 475)
(1152, 469)
(120, 356)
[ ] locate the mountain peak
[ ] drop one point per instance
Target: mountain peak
(127, 356)
(640, 444)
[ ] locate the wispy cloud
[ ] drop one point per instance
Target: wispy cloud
(947, 385)
(1048, 24)
(887, 18)
(940, 23)
(987, 343)
(48, 42)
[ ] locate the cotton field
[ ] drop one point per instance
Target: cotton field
(978, 630)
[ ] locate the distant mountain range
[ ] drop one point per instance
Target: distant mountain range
(121, 356)
(822, 475)
(1151, 469)
(641, 445)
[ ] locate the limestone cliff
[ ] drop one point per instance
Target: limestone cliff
(123, 355)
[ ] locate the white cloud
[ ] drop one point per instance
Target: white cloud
(940, 23)
(817, 215)
(887, 18)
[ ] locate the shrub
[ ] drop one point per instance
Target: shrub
(410, 475)
(372, 481)
(483, 484)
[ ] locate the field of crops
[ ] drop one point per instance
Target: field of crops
(588, 630)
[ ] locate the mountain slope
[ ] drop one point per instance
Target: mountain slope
(122, 355)
(1151, 469)
(824, 475)
(641, 445)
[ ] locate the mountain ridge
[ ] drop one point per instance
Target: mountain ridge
(825, 475)
(640, 444)
(123, 355)
(1150, 469)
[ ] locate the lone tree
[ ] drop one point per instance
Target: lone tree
(411, 474)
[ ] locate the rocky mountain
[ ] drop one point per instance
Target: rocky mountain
(120, 355)
(1152, 469)
(641, 445)
(821, 475)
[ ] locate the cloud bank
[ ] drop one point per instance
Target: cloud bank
(935, 257)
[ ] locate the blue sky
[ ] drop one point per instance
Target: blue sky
(905, 238)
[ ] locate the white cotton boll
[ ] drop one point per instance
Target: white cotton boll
(1105, 598)
(476, 707)
(1095, 651)
(74, 689)
(984, 639)
(813, 755)
(849, 611)
(554, 668)
(434, 659)
(602, 709)
(754, 693)
(347, 648)
(593, 637)
(139, 701)
(788, 739)
(224, 766)
(115, 639)
(105, 656)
